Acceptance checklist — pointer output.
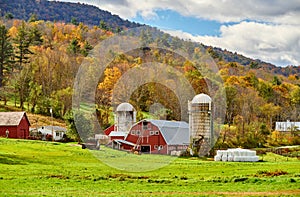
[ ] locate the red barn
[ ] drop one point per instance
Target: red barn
(14, 124)
(157, 136)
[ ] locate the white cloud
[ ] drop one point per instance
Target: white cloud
(277, 44)
(277, 11)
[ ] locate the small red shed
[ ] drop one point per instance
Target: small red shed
(14, 125)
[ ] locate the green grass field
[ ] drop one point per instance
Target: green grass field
(35, 168)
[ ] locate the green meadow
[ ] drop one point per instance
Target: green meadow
(36, 168)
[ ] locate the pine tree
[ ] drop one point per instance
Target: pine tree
(74, 47)
(86, 48)
(33, 18)
(36, 36)
(103, 25)
(74, 21)
(22, 41)
(6, 53)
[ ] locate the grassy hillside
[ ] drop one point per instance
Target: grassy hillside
(34, 168)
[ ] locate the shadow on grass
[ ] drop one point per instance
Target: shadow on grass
(11, 159)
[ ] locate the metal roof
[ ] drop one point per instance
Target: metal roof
(201, 98)
(174, 132)
(11, 118)
(125, 107)
(117, 134)
(286, 126)
(55, 128)
(124, 142)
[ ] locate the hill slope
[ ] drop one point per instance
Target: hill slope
(62, 11)
(66, 12)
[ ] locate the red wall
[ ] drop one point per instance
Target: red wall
(108, 130)
(146, 138)
(116, 138)
(21, 131)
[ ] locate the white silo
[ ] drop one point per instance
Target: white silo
(200, 123)
(125, 117)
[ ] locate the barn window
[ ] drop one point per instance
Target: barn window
(57, 134)
(133, 132)
(145, 125)
(155, 147)
(160, 147)
(138, 132)
(156, 132)
(151, 132)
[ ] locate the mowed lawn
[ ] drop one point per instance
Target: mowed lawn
(35, 168)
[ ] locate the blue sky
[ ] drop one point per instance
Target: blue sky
(268, 30)
(171, 20)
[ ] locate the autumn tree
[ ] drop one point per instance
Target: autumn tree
(104, 94)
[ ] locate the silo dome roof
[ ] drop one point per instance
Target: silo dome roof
(201, 98)
(125, 107)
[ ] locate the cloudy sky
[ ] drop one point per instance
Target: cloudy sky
(264, 29)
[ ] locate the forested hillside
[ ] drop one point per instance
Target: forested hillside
(90, 15)
(63, 12)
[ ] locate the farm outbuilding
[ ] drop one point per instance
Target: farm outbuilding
(287, 126)
(14, 125)
(157, 137)
(58, 132)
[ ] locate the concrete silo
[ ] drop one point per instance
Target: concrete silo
(125, 117)
(200, 124)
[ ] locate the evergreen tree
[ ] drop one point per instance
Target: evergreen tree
(9, 16)
(33, 18)
(22, 42)
(74, 21)
(74, 47)
(6, 53)
(86, 48)
(36, 36)
(103, 25)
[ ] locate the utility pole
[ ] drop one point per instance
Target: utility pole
(51, 112)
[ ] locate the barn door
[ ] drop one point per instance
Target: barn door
(21, 134)
(145, 149)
